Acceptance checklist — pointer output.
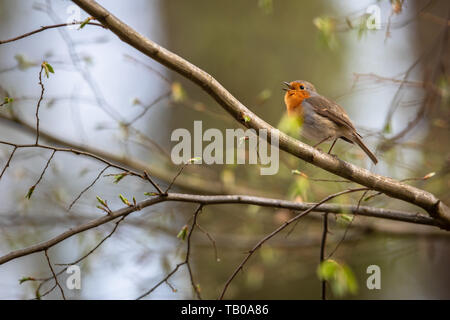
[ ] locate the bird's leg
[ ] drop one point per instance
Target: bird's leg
(321, 141)
(332, 145)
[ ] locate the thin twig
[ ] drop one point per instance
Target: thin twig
(170, 286)
(54, 275)
(43, 28)
(39, 103)
(38, 295)
(166, 278)
(76, 152)
(212, 240)
(188, 252)
(322, 251)
(97, 246)
(175, 178)
(147, 176)
(33, 187)
(8, 162)
(88, 187)
(163, 77)
(147, 108)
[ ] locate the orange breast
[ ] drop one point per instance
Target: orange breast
(293, 100)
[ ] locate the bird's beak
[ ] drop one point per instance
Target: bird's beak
(288, 85)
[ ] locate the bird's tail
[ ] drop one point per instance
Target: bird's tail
(365, 149)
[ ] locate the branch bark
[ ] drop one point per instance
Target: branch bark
(386, 185)
(188, 182)
(225, 199)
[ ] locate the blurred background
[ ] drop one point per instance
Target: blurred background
(104, 95)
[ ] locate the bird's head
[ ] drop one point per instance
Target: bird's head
(296, 92)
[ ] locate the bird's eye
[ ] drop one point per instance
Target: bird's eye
(302, 87)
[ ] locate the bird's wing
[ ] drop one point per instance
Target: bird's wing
(332, 111)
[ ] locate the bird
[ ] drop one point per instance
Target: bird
(322, 119)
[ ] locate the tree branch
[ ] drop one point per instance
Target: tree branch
(226, 199)
(188, 182)
(43, 28)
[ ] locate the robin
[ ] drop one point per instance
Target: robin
(323, 119)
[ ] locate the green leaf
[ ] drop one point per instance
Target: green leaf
(444, 88)
(125, 200)
(30, 192)
(362, 27)
(339, 276)
(290, 125)
(327, 269)
(101, 201)
(88, 60)
(136, 102)
(300, 187)
(246, 118)
(349, 277)
(150, 194)
(327, 31)
(266, 6)
(119, 177)
(178, 93)
(264, 95)
(50, 68)
(23, 62)
(183, 233)
(346, 218)
(298, 172)
(102, 208)
(8, 100)
(85, 22)
(47, 68)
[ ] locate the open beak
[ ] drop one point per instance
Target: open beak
(288, 86)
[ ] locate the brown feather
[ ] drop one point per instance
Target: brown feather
(330, 110)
